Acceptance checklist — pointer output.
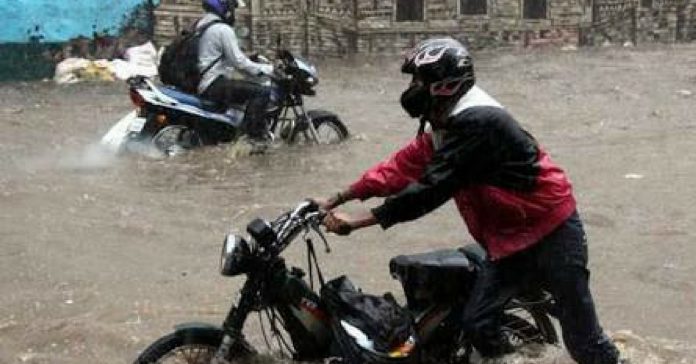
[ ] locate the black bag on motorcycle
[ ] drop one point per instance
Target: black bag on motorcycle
(179, 63)
(368, 328)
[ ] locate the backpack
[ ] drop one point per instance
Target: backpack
(179, 64)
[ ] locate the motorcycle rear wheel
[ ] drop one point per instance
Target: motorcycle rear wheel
(173, 139)
(523, 326)
(191, 349)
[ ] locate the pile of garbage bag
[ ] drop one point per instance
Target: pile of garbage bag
(141, 60)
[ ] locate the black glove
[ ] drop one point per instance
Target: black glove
(279, 71)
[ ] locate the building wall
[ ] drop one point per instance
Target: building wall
(326, 27)
(641, 21)
(174, 16)
(59, 21)
(339, 27)
(318, 27)
(502, 25)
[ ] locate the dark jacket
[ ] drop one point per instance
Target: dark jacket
(506, 187)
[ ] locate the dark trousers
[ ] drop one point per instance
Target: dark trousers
(234, 92)
(559, 264)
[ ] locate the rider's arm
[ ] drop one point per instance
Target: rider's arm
(394, 174)
(231, 51)
(463, 158)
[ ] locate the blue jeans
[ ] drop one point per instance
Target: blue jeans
(557, 263)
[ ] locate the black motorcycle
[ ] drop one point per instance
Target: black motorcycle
(306, 326)
(171, 120)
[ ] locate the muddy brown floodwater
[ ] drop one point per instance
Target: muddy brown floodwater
(99, 256)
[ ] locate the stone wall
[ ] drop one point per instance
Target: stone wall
(340, 27)
(317, 27)
(326, 27)
(503, 25)
(646, 21)
(174, 16)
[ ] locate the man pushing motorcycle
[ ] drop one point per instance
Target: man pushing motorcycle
(515, 201)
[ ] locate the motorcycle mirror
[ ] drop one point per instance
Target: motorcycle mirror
(242, 32)
(286, 55)
(278, 41)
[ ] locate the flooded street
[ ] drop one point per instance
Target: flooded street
(101, 255)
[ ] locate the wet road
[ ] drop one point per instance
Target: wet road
(101, 255)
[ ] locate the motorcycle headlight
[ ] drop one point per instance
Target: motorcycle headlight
(235, 256)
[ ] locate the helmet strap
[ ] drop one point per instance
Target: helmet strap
(421, 127)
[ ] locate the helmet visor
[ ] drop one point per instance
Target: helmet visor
(446, 87)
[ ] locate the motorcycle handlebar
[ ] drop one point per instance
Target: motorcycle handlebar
(305, 213)
(305, 217)
(279, 75)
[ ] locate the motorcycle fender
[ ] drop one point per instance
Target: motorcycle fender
(319, 113)
(213, 334)
(199, 329)
(116, 136)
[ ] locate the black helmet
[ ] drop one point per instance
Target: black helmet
(442, 69)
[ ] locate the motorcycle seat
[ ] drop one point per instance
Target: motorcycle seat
(447, 261)
(192, 100)
(438, 276)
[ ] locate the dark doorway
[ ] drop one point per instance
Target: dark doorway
(473, 7)
(409, 10)
(534, 9)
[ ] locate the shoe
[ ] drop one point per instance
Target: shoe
(259, 145)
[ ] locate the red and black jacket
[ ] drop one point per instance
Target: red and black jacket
(507, 189)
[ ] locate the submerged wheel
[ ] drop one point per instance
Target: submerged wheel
(191, 348)
(523, 326)
(330, 130)
(174, 139)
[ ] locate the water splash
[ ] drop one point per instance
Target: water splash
(93, 156)
(90, 157)
(637, 349)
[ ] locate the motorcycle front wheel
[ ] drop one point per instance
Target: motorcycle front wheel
(329, 127)
(330, 130)
(192, 348)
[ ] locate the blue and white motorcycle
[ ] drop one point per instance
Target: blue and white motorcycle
(171, 121)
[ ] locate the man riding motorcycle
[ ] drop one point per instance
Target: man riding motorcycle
(219, 56)
(515, 201)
